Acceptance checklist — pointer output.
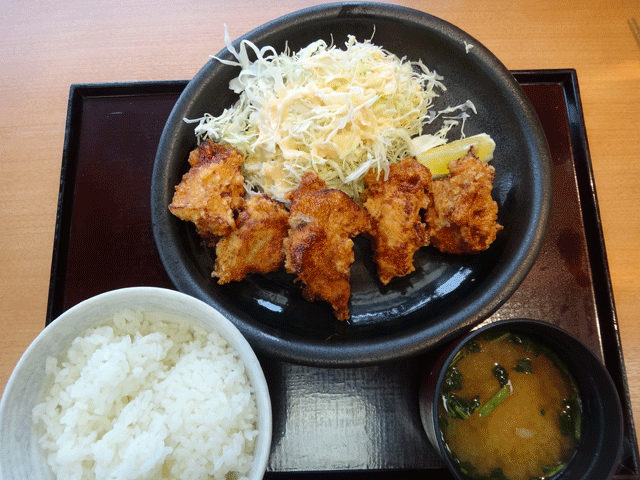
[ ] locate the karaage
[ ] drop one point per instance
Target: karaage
(319, 249)
(255, 246)
(464, 217)
(211, 191)
(396, 205)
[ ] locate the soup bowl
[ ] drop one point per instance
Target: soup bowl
(600, 443)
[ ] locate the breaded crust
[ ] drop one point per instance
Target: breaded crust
(396, 205)
(255, 246)
(319, 249)
(211, 191)
(464, 217)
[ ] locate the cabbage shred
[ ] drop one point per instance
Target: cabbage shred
(339, 112)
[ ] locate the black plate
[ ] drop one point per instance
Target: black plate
(446, 295)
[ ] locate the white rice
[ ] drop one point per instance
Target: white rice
(148, 397)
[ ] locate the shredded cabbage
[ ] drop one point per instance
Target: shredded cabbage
(339, 112)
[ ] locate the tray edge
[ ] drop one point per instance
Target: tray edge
(595, 241)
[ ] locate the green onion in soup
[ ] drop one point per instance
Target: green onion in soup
(509, 409)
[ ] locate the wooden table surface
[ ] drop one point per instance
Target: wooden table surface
(45, 46)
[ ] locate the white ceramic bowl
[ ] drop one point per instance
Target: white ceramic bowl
(20, 456)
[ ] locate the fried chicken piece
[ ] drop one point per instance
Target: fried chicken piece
(211, 191)
(255, 246)
(319, 249)
(396, 205)
(464, 217)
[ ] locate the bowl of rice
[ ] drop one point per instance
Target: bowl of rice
(137, 383)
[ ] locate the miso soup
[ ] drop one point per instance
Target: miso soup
(509, 409)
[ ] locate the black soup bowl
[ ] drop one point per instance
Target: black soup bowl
(599, 448)
(446, 295)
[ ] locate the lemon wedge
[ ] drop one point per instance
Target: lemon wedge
(437, 158)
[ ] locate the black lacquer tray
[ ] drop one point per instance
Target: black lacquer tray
(347, 423)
